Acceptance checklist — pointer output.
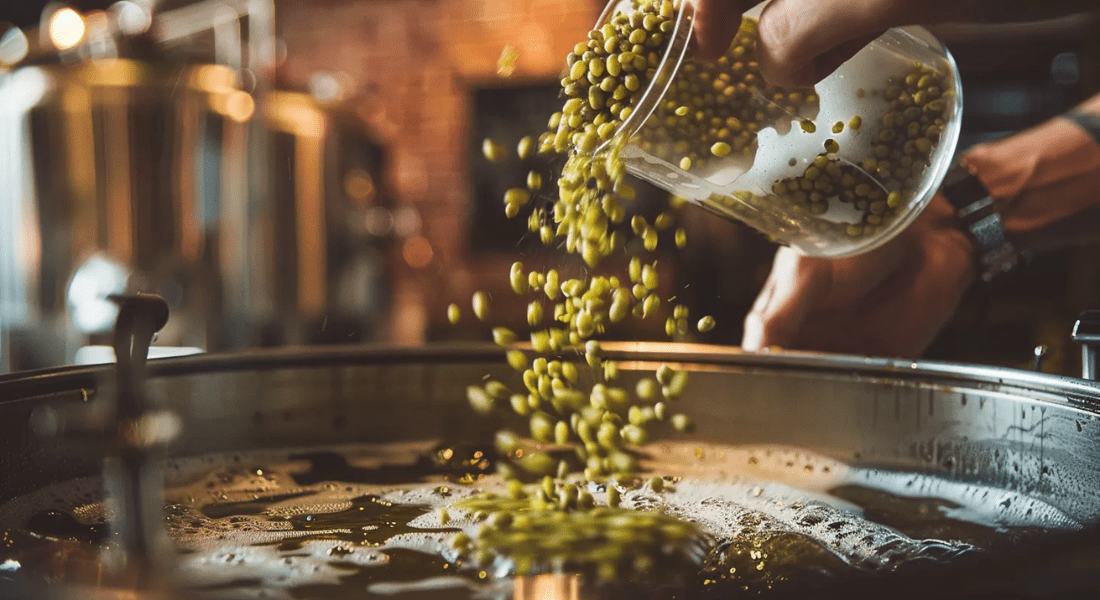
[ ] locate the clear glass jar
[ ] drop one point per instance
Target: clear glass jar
(833, 171)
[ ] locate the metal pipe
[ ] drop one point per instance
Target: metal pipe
(1086, 331)
(134, 473)
(211, 15)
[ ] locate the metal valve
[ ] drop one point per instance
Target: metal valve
(141, 431)
(1086, 331)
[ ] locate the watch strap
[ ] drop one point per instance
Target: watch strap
(976, 209)
(1085, 120)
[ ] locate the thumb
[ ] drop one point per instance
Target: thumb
(801, 43)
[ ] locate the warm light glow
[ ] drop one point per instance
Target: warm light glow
(66, 28)
(379, 221)
(359, 185)
(215, 79)
(546, 587)
(418, 252)
(296, 114)
(239, 106)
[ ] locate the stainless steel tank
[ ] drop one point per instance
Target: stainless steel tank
(1014, 432)
(147, 151)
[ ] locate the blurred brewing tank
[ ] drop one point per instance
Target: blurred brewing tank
(136, 155)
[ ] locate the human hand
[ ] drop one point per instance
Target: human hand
(802, 41)
(891, 301)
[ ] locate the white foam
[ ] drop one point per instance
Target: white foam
(733, 493)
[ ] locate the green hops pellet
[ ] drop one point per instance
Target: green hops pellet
(453, 314)
(526, 147)
(542, 427)
(496, 389)
(656, 484)
(649, 277)
(706, 324)
(479, 399)
(576, 72)
(493, 151)
(685, 163)
(592, 353)
(614, 496)
(664, 374)
(720, 149)
(570, 373)
(646, 389)
(461, 541)
(506, 442)
(682, 422)
(552, 288)
(480, 302)
(676, 385)
(517, 197)
(610, 370)
(502, 336)
(534, 313)
(634, 435)
(518, 279)
(838, 127)
(681, 238)
(635, 269)
(534, 181)
(808, 126)
(855, 123)
(548, 487)
(561, 433)
(516, 359)
(519, 404)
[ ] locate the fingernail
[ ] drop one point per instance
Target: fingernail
(754, 334)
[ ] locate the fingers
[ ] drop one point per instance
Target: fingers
(803, 42)
(779, 312)
(716, 23)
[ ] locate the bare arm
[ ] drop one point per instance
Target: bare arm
(893, 300)
(1046, 181)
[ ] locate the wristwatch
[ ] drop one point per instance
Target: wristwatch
(974, 206)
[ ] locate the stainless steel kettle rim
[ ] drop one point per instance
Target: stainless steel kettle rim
(1069, 391)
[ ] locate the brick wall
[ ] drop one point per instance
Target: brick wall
(410, 66)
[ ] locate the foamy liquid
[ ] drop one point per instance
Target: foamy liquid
(287, 525)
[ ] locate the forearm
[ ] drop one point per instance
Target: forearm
(1004, 11)
(1046, 182)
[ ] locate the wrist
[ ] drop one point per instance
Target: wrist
(1043, 184)
(978, 214)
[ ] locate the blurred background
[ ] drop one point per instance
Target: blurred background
(310, 172)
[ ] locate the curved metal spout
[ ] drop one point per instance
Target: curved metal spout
(133, 476)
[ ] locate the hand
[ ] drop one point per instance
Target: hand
(891, 301)
(803, 41)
